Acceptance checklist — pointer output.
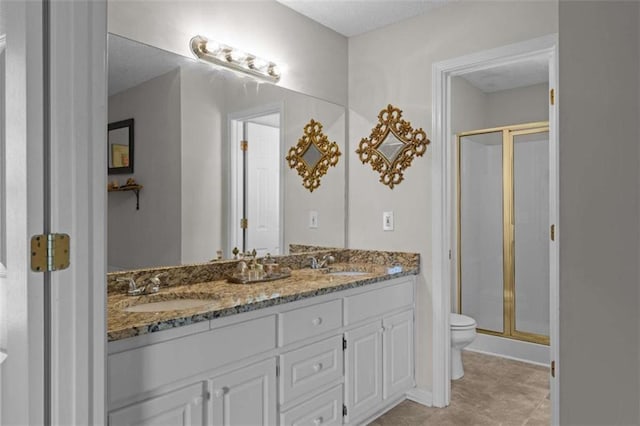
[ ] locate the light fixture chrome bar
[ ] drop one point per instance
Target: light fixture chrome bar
(235, 59)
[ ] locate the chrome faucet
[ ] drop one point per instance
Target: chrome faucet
(327, 259)
(136, 290)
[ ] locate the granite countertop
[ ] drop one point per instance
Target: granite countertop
(229, 299)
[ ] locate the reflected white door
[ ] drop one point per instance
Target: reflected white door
(263, 189)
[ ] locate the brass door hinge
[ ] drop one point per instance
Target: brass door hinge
(553, 369)
(50, 252)
(244, 223)
(244, 145)
(552, 96)
(553, 232)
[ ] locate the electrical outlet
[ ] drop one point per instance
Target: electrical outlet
(387, 221)
(313, 219)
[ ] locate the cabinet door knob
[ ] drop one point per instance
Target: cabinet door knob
(219, 393)
(317, 367)
(317, 321)
(317, 420)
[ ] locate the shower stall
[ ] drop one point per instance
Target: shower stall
(503, 230)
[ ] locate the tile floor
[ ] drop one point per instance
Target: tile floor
(494, 391)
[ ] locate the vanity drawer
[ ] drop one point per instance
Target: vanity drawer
(377, 302)
(323, 410)
(310, 367)
(310, 321)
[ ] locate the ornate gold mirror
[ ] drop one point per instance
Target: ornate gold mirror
(392, 145)
(313, 155)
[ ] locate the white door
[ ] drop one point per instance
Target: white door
(22, 316)
(363, 389)
(54, 163)
(398, 353)
(184, 407)
(263, 188)
(246, 396)
(254, 182)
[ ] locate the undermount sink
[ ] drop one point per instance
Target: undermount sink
(178, 304)
(348, 273)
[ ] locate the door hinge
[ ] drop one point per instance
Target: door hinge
(344, 344)
(552, 96)
(244, 223)
(553, 232)
(277, 370)
(553, 369)
(344, 410)
(244, 145)
(50, 252)
(449, 254)
(207, 396)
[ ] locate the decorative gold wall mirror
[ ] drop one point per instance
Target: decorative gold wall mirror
(313, 155)
(392, 145)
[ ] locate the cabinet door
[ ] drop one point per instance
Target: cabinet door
(398, 353)
(363, 369)
(246, 396)
(182, 407)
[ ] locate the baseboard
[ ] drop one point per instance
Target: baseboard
(421, 396)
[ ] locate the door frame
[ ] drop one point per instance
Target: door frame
(443, 202)
(230, 230)
(56, 178)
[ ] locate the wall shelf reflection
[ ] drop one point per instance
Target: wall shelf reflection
(135, 188)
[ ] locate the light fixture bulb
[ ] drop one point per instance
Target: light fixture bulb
(236, 59)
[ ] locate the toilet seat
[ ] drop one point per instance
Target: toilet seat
(461, 321)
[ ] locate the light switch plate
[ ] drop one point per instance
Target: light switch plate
(387, 221)
(313, 219)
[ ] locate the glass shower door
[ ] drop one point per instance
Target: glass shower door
(531, 238)
(503, 225)
(481, 282)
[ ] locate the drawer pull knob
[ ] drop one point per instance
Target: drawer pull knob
(317, 367)
(219, 393)
(317, 321)
(317, 420)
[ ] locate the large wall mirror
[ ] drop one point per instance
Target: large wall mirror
(202, 183)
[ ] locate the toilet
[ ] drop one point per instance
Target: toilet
(463, 331)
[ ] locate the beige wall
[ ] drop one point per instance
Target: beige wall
(393, 65)
(148, 237)
(313, 58)
(598, 230)
(203, 118)
(517, 106)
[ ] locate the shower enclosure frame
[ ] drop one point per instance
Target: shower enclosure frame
(508, 225)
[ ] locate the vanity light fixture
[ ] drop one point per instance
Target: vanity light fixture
(235, 59)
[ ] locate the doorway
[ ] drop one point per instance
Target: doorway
(256, 185)
(444, 237)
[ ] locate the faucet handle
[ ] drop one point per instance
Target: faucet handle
(129, 280)
(156, 282)
(134, 290)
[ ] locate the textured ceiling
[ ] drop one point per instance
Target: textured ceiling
(353, 17)
(509, 76)
(132, 63)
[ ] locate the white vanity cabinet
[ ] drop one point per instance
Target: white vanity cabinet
(379, 354)
(182, 407)
(246, 396)
(331, 359)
